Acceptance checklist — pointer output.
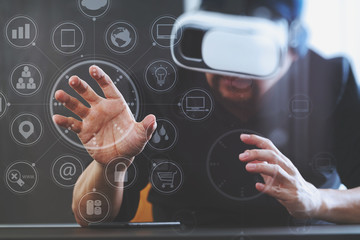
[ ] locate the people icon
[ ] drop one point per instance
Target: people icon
(26, 72)
(31, 84)
(20, 84)
(26, 81)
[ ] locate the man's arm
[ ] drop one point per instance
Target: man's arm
(284, 182)
(110, 124)
(340, 206)
(93, 177)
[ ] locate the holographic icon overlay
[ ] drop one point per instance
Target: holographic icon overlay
(160, 76)
(197, 104)
(225, 170)
(21, 177)
(94, 207)
(165, 135)
(300, 106)
(3, 104)
(66, 170)
(166, 177)
(26, 129)
(21, 31)
(26, 79)
(121, 80)
(121, 173)
(94, 8)
(67, 38)
(121, 37)
(161, 31)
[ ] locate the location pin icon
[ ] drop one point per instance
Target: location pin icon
(26, 134)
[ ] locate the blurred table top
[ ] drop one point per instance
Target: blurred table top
(73, 231)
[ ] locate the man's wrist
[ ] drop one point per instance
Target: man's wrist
(322, 208)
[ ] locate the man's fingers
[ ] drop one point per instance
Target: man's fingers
(68, 122)
(104, 81)
(72, 104)
(84, 90)
(272, 170)
(149, 124)
(273, 191)
(260, 155)
(258, 141)
(265, 155)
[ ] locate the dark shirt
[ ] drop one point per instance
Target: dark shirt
(311, 115)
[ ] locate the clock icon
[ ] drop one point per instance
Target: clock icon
(120, 78)
(226, 172)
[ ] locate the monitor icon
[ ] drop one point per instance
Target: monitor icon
(196, 104)
(163, 31)
(300, 106)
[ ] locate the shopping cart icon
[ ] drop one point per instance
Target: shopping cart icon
(167, 178)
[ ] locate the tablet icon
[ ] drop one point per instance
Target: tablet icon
(21, 31)
(68, 38)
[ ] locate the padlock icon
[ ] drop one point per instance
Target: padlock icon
(120, 173)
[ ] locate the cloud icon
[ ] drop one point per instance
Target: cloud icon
(94, 4)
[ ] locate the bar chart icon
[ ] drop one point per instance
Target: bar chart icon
(22, 32)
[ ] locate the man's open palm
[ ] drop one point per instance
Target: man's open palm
(108, 129)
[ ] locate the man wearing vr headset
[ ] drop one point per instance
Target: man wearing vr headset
(299, 174)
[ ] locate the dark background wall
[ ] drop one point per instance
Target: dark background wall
(48, 202)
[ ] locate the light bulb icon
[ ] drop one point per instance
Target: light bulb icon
(160, 74)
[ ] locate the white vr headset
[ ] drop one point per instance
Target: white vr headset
(250, 47)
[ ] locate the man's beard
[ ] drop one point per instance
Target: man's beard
(240, 103)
